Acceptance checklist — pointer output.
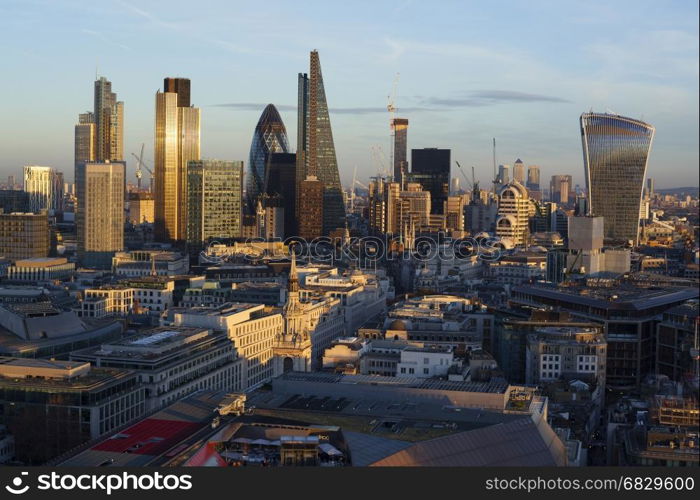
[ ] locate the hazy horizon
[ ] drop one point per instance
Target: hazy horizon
(519, 72)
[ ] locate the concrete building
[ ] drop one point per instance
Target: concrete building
(44, 188)
(252, 329)
(555, 352)
(425, 362)
(141, 208)
(518, 268)
(51, 407)
(514, 210)
(24, 235)
(140, 263)
(100, 212)
(676, 341)
(41, 269)
(171, 362)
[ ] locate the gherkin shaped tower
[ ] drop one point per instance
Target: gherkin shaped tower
(270, 136)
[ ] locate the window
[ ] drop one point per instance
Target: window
(426, 371)
(426, 361)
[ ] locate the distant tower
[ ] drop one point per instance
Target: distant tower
(109, 123)
(519, 171)
(400, 128)
(615, 155)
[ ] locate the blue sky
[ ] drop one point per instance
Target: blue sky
(519, 71)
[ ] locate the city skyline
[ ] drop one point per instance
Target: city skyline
(515, 88)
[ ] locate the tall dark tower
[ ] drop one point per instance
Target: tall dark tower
(181, 87)
(270, 136)
(430, 167)
(316, 153)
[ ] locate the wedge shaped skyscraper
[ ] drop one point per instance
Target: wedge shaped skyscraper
(269, 137)
(615, 156)
(316, 158)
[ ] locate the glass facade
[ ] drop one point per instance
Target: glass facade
(615, 155)
(317, 158)
(430, 167)
(270, 136)
(214, 200)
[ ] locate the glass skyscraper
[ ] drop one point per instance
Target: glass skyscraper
(316, 150)
(615, 156)
(430, 167)
(270, 136)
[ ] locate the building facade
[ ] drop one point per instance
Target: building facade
(615, 155)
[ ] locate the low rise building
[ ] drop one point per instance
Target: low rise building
(41, 269)
(51, 407)
(171, 362)
(140, 263)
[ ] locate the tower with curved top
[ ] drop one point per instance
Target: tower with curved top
(615, 156)
(270, 136)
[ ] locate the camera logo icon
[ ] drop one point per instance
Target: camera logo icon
(16, 488)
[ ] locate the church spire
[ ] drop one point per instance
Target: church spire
(293, 281)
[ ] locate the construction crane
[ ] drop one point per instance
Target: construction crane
(470, 184)
(379, 159)
(139, 166)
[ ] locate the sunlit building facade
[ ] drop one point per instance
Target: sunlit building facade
(615, 155)
(177, 141)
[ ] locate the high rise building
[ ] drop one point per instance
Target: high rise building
(280, 181)
(177, 141)
(45, 188)
(650, 187)
(560, 187)
(399, 126)
(519, 171)
(109, 123)
(85, 138)
(430, 167)
(533, 178)
(615, 155)
(504, 174)
(514, 210)
(270, 136)
(316, 153)
(214, 200)
(99, 216)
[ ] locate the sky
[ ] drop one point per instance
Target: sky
(468, 71)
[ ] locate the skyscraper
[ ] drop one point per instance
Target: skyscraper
(270, 136)
(400, 128)
(504, 174)
(560, 187)
(280, 176)
(615, 156)
(177, 141)
(109, 123)
(85, 138)
(99, 217)
(45, 188)
(533, 178)
(214, 200)
(316, 152)
(519, 171)
(430, 167)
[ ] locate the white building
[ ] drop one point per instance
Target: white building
(149, 263)
(425, 362)
(514, 210)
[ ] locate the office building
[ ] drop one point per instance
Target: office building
(85, 138)
(430, 167)
(24, 235)
(171, 362)
(140, 263)
(270, 136)
(514, 210)
(177, 141)
(45, 188)
(109, 123)
(100, 213)
(560, 188)
(280, 181)
(399, 128)
(214, 200)
(14, 200)
(533, 178)
(316, 158)
(41, 269)
(615, 154)
(141, 207)
(519, 171)
(504, 174)
(53, 406)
